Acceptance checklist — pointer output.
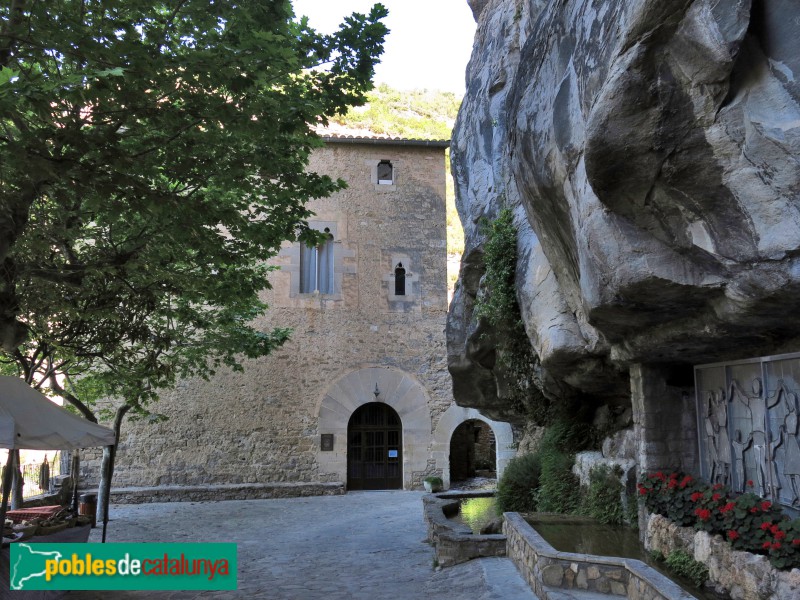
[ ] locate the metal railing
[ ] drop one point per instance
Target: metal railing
(35, 482)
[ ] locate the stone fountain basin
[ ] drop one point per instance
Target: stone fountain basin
(453, 541)
(549, 571)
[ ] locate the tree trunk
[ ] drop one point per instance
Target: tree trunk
(107, 469)
(16, 487)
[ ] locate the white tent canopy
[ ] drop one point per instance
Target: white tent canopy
(29, 420)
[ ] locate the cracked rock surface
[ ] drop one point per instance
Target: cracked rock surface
(649, 151)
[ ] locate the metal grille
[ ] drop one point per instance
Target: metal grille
(374, 448)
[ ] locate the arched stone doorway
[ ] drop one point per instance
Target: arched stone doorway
(505, 448)
(374, 448)
(473, 451)
(396, 389)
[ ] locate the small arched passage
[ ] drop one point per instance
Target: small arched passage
(473, 451)
(455, 416)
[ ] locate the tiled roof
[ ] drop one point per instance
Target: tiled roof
(384, 140)
(335, 133)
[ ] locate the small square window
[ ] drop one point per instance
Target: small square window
(385, 173)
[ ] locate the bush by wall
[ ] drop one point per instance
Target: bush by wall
(602, 500)
(516, 486)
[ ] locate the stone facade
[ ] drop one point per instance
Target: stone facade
(365, 340)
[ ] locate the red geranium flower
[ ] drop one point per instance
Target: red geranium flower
(766, 545)
(776, 545)
(717, 486)
(696, 496)
(673, 476)
(685, 481)
(716, 497)
(749, 483)
(733, 535)
(765, 505)
(796, 542)
(765, 525)
(727, 508)
(703, 514)
(642, 490)
(754, 510)
(672, 484)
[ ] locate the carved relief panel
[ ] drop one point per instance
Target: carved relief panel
(748, 426)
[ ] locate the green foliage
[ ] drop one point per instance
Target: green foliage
(657, 556)
(684, 565)
(418, 114)
(518, 483)
(497, 306)
(154, 156)
(559, 489)
(434, 481)
(602, 499)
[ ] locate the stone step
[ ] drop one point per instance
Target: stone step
(559, 594)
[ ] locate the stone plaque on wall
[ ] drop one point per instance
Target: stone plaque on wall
(326, 442)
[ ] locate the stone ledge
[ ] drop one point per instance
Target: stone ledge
(235, 491)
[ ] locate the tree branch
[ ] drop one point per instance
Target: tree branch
(15, 20)
(84, 410)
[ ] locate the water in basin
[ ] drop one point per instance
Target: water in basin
(585, 536)
(476, 513)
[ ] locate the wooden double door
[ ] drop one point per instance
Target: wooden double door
(374, 448)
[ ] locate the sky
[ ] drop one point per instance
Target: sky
(428, 45)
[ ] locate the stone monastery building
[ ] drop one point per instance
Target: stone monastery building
(360, 397)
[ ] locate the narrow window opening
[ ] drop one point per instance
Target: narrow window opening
(399, 280)
(316, 267)
(385, 173)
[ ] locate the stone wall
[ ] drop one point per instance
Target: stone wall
(205, 493)
(262, 425)
(743, 575)
(665, 421)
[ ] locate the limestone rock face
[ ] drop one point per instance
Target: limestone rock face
(649, 151)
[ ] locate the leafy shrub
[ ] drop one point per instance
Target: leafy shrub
(559, 488)
(603, 498)
(684, 565)
(517, 484)
(517, 363)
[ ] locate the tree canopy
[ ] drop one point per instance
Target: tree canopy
(153, 157)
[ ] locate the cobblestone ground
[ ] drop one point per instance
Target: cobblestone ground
(364, 545)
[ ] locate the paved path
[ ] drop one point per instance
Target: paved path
(361, 546)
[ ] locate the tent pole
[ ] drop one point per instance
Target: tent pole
(7, 479)
(75, 468)
(109, 454)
